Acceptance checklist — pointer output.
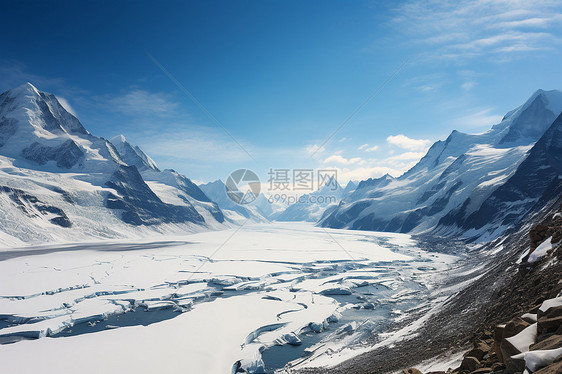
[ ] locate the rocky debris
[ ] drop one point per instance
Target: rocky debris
(552, 342)
(499, 294)
(530, 342)
(555, 368)
(540, 233)
(411, 371)
(515, 347)
(470, 364)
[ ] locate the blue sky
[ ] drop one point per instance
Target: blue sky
(282, 76)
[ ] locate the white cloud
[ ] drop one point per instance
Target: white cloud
(353, 169)
(405, 142)
(338, 159)
(314, 150)
(66, 105)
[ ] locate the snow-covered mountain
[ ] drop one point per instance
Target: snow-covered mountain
(55, 175)
(268, 207)
(311, 207)
(133, 155)
(169, 185)
(456, 175)
(234, 212)
(536, 182)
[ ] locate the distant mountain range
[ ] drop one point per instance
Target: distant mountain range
(473, 186)
(60, 182)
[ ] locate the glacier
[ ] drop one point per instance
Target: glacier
(174, 306)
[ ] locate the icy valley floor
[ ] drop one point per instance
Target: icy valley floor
(254, 299)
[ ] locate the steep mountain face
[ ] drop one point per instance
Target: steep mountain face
(133, 155)
(54, 175)
(537, 180)
(458, 174)
(171, 187)
(233, 212)
(140, 205)
(37, 132)
(349, 188)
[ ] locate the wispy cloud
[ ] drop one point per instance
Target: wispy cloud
(140, 103)
(338, 159)
(471, 29)
(192, 144)
(482, 118)
(467, 86)
(14, 74)
(374, 168)
(66, 105)
(314, 150)
(367, 148)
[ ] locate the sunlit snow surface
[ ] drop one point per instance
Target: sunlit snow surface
(210, 302)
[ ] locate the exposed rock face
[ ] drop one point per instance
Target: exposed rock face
(33, 207)
(540, 233)
(140, 205)
(8, 127)
(66, 154)
(411, 371)
(535, 181)
(470, 364)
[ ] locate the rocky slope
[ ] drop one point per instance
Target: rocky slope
(521, 329)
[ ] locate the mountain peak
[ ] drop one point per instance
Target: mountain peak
(36, 127)
(118, 139)
(133, 155)
(530, 120)
(26, 87)
(26, 90)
